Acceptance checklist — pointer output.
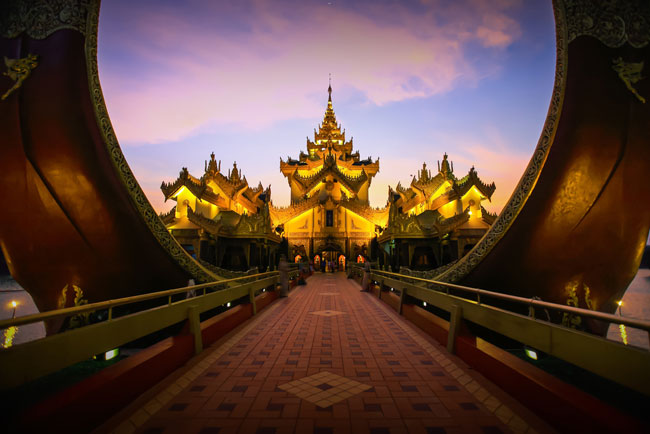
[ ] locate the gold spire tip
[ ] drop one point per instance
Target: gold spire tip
(329, 88)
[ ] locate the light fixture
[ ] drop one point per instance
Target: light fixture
(108, 355)
(228, 304)
(532, 354)
(424, 303)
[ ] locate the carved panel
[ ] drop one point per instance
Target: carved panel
(612, 23)
(40, 18)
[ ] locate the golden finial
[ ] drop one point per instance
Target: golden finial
(329, 89)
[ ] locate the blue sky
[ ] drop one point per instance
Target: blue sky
(248, 81)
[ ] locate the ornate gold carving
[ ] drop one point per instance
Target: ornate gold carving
(169, 216)
(352, 182)
(630, 73)
(228, 274)
(378, 216)
(612, 23)
(40, 18)
(151, 219)
(281, 215)
(76, 320)
(18, 70)
(573, 299)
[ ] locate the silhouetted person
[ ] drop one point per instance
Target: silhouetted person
(283, 268)
(365, 282)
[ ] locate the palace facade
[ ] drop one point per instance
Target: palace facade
(225, 223)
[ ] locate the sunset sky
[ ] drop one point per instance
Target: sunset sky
(248, 81)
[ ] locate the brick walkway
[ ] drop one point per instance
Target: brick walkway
(328, 359)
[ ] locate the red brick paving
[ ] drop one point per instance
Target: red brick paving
(410, 391)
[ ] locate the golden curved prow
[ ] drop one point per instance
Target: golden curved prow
(74, 213)
(576, 225)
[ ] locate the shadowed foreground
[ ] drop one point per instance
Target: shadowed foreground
(328, 359)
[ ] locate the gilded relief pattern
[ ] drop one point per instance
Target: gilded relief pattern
(629, 73)
(79, 319)
(38, 19)
(612, 23)
(18, 70)
(573, 299)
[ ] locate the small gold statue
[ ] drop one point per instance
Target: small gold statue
(18, 70)
(630, 73)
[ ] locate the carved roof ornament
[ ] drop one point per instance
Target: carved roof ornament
(212, 167)
(424, 175)
(445, 168)
(329, 131)
(611, 22)
(38, 19)
(234, 175)
(198, 187)
(472, 179)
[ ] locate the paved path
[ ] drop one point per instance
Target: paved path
(329, 359)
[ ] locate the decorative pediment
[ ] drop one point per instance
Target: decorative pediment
(472, 179)
(197, 186)
(378, 216)
(281, 215)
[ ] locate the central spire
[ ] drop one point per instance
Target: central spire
(329, 121)
(329, 91)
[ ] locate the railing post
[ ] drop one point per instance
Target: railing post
(455, 320)
(381, 288)
(401, 301)
(251, 298)
(195, 327)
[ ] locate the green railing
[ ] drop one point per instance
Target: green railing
(624, 364)
(31, 360)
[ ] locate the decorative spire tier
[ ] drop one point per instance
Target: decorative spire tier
(329, 161)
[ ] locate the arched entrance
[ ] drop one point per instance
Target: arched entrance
(329, 251)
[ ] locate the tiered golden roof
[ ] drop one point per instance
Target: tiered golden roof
(329, 156)
(329, 203)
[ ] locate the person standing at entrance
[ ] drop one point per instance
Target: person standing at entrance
(283, 268)
(365, 282)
